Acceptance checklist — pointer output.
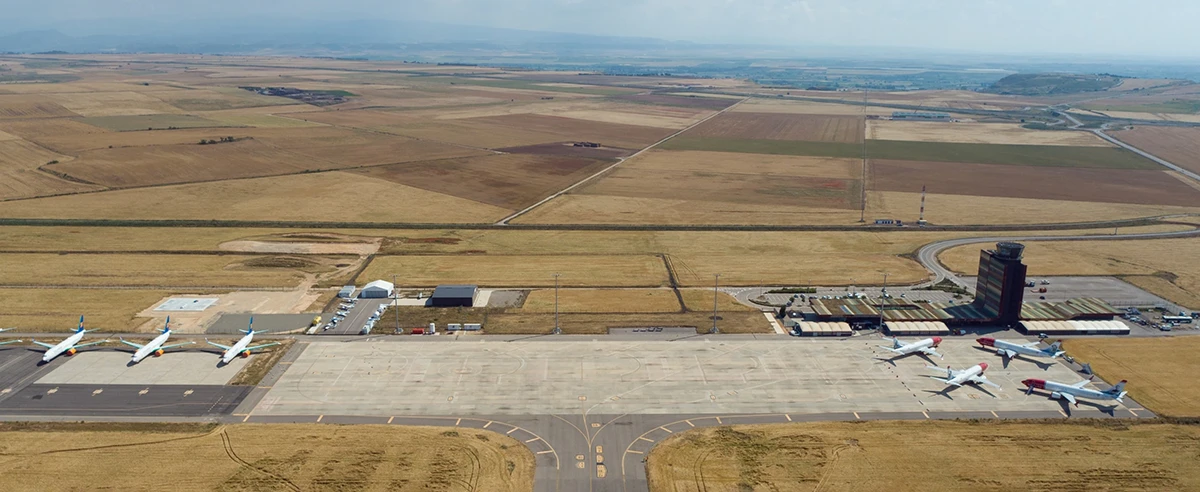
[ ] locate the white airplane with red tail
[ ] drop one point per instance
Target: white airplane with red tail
(973, 374)
(1070, 391)
(925, 346)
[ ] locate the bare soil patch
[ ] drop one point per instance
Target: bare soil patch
(22, 107)
(609, 134)
(1052, 183)
(983, 133)
(569, 149)
(777, 126)
(509, 181)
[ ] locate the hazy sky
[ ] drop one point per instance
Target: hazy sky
(1141, 27)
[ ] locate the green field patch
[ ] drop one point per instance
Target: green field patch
(753, 146)
(151, 122)
(1017, 155)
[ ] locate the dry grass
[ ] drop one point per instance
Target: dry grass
(189, 271)
(124, 103)
(941, 208)
(146, 122)
(1177, 145)
(607, 209)
(602, 301)
(305, 197)
(854, 456)
(765, 105)
(782, 126)
(252, 457)
(1175, 261)
(49, 310)
(19, 174)
(51, 239)
(520, 271)
(985, 133)
(701, 300)
(255, 370)
(600, 323)
(1153, 367)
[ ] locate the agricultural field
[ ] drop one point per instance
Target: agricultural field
(183, 163)
(19, 174)
(773, 105)
(978, 133)
(942, 207)
(602, 301)
(1150, 187)
(147, 122)
(1151, 365)
(782, 126)
(1179, 146)
(302, 197)
(1172, 266)
(510, 181)
(50, 310)
(264, 457)
(853, 456)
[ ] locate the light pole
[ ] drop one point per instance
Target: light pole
(396, 302)
(716, 282)
(557, 330)
(882, 300)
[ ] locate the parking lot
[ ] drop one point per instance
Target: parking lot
(355, 318)
(705, 376)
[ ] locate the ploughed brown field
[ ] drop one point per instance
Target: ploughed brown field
(608, 134)
(1050, 183)
(511, 181)
(568, 149)
(1180, 146)
(777, 126)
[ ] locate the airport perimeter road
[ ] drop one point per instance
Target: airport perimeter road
(928, 254)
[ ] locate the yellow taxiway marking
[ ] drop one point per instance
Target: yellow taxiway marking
(531, 440)
(599, 449)
(1138, 408)
(634, 452)
(459, 421)
(320, 417)
(487, 424)
(994, 414)
(265, 387)
(926, 414)
(789, 417)
(718, 420)
(856, 417)
(1133, 412)
(647, 440)
(689, 422)
(1064, 414)
(390, 419)
(245, 419)
(510, 431)
(666, 429)
(548, 451)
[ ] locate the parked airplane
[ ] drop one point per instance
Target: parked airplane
(69, 346)
(1011, 350)
(242, 347)
(925, 346)
(2, 330)
(973, 374)
(1070, 391)
(155, 346)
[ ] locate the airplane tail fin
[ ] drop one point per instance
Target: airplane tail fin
(1119, 388)
(1056, 348)
(80, 329)
(250, 328)
(896, 343)
(167, 325)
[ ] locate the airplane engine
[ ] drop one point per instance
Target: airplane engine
(158, 353)
(71, 351)
(245, 354)
(1056, 395)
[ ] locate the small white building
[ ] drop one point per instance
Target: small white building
(379, 289)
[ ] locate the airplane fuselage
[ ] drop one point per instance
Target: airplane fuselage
(968, 373)
(1002, 347)
(1058, 389)
(151, 347)
(62, 347)
(237, 348)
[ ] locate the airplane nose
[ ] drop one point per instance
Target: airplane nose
(937, 341)
(982, 366)
(986, 341)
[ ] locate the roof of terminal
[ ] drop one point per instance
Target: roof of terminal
(903, 310)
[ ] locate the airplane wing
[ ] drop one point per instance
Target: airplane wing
(10, 341)
(222, 347)
(929, 351)
(89, 344)
(1031, 344)
(265, 345)
(890, 349)
(1010, 354)
(1081, 383)
(944, 380)
(164, 347)
(40, 344)
(131, 344)
(1069, 397)
(983, 380)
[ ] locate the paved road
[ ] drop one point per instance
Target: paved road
(928, 254)
(1173, 167)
